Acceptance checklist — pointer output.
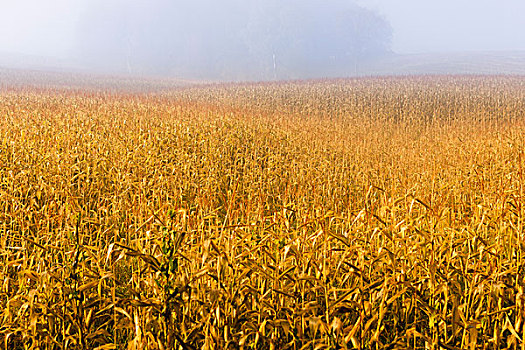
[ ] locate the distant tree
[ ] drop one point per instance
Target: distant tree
(294, 39)
(367, 35)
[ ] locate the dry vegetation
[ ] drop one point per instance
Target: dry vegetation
(373, 213)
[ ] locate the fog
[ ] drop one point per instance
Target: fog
(41, 28)
(422, 26)
(238, 40)
(251, 39)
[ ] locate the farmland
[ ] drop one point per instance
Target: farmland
(368, 213)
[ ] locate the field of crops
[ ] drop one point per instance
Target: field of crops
(378, 213)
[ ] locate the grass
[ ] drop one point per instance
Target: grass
(367, 213)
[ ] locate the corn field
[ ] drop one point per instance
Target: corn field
(375, 213)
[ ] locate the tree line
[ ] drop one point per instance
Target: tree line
(232, 39)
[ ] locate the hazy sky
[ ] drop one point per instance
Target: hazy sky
(41, 27)
(453, 25)
(48, 27)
